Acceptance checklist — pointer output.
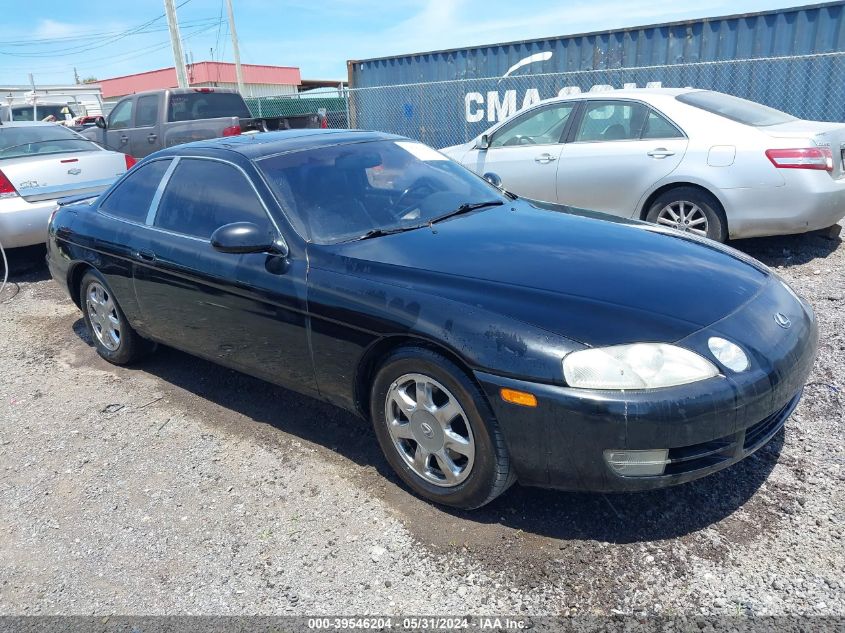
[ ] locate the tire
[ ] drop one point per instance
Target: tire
(693, 205)
(113, 337)
(478, 478)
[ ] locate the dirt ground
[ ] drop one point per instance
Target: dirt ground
(177, 486)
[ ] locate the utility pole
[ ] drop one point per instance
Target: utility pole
(237, 51)
(176, 42)
(75, 75)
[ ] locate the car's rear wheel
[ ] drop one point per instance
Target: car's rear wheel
(690, 210)
(113, 337)
(437, 430)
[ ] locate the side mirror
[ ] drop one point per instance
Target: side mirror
(100, 122)
(493, 179)
(245, 237)
(483, 142)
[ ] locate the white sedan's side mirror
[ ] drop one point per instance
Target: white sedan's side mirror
(483, 142)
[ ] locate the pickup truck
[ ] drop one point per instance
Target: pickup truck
(145, 122)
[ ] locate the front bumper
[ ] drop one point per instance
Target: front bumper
(707, 426)
(24, 223)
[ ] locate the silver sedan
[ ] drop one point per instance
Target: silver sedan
(695, 160)
(41, 162)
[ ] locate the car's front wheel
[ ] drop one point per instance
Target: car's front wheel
(113, 337)
(690, 210)
(437, 430)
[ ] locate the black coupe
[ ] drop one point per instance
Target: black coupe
(488, 340)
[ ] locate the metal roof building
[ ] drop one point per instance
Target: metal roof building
(259, 81)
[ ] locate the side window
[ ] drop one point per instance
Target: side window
(203, 195)
(542, 126)
(611, 121)
(658, 126)
(131, 199)
(121, 117)
(147, 112)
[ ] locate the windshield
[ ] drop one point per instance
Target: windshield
(358, 190)
(52, 112)
(206, 105)
(735, 109)
(41, 140)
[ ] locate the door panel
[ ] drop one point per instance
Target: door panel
(619, 150)
(244, 311)
(612, 177)
(120, 121)
(525, 150)
(143, 138)
(528, 171)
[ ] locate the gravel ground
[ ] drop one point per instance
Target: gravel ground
(180, 487)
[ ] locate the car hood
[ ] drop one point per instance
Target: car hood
(592, 278)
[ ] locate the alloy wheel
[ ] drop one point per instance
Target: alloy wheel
(429, 429)
(684, 216)
(102, 312)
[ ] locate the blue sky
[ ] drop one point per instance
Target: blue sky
(316, 35)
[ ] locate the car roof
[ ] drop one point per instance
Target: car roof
(254, 146)
(630, 93)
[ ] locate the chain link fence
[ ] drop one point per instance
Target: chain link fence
(333, 103)
(449, 112)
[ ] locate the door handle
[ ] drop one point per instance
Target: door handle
(124, 140)
(152, 138)
(545, 158)
(145, 256)
(660, 152)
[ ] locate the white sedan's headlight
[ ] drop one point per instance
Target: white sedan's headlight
(637, 366)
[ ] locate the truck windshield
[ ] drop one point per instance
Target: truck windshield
(734, 108)
(206, 105)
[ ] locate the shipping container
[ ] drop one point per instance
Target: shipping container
(792, 59)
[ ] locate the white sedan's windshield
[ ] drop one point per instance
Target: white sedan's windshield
(355, 190)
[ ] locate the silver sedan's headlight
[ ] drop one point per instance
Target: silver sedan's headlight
(637, 366)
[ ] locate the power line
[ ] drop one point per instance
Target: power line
(113, 60)
(83, 48)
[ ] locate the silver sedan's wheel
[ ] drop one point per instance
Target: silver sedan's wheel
(684, 215)
(429, 430)
(102, 312)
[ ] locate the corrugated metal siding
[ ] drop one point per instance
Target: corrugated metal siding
(799, 31)
(254, 90)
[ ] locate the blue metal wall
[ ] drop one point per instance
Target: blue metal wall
(799, 31)
(792, 59)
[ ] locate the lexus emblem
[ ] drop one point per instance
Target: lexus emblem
(782, 320)
(425, 427)
(74, 171)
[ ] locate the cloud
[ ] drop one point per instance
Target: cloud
(49, 29)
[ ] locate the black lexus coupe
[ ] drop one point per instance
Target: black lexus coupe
(488, 340)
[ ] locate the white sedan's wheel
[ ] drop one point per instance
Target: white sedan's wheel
(690, 210)
(684, 215)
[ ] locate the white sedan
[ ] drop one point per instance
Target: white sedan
(40, 163)
(695, 160)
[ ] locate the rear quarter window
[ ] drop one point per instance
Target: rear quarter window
(132, 197)
(203, 195)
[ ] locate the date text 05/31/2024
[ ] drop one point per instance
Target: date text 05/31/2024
(417, 623)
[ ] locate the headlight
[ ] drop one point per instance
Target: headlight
(730, 355)
(637, 366)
